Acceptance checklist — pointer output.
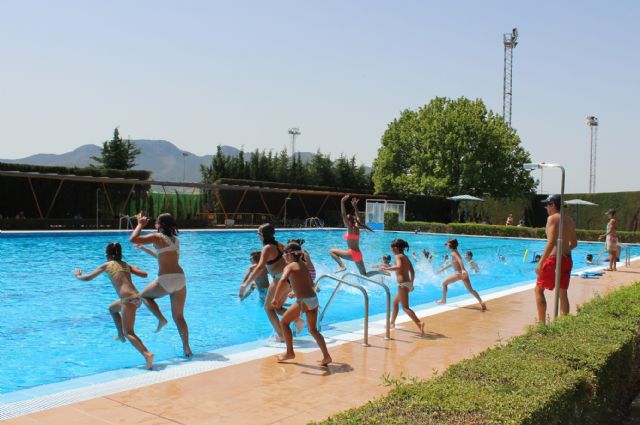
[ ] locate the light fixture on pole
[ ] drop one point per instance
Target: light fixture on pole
(559, 246)
(592, 122)
(294, 131)
(284, 220)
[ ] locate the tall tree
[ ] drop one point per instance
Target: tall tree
(117, 154)
(451, 147)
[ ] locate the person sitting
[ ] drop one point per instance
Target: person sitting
(509, 220)
(521, 223)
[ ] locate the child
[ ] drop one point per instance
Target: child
(385, 261)
(472, 264)
(405, 275)
(460, 274)
(171, 278)
(589, 259)
(296, 274)
(306, 258)
(120, 275)
(261, 281)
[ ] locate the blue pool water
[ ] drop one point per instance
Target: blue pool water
(55, 327)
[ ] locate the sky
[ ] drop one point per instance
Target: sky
(241, 73)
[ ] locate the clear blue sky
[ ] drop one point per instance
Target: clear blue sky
(240, 73)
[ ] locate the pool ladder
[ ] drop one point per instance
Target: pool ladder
(362, 289)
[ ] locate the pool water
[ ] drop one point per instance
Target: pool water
(55, 327)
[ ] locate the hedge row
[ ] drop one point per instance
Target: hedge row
(581, 369)
(391, 223)
(77, 171)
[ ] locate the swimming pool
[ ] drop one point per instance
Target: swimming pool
(56, 328)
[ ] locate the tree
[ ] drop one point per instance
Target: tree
(117, 154)
(451, 147)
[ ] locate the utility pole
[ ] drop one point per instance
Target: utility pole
(510, 41)
(592, 123)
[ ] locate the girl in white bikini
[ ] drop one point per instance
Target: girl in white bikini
(171, 280)
(459, 274)
(405, 275)
(120, 274)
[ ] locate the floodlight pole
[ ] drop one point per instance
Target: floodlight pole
(559, 242)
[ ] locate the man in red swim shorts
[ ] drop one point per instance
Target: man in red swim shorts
(546, 269)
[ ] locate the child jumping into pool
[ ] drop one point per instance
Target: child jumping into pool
(261, 282)
(171, 279)
(271, 258)
(296, 276)
(120, 274)
(353, 225)
(459, 274)
(405, 275)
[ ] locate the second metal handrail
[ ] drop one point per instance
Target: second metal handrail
(386, 289)
(333, 295)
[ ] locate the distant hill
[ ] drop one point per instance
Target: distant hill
(163, 158)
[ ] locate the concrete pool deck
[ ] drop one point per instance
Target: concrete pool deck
(265, 392)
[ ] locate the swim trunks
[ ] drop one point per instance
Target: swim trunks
(547, 277)
(355, 255)
(311, 303)
(408, 285)
(172, 282)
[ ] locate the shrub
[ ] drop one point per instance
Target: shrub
(497, 230)
(581, 369)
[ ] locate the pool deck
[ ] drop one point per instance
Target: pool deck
(265, 392)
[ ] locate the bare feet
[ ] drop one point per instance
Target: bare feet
(161, 324)
(120, 337)
(187, 352)
(325, 362)
(149, 358)
(286, 356)
(341, 269)
(441, 302)
(421, 326)
(484, 306)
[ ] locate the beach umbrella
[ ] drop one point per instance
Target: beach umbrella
(465, 199)
(577, 203)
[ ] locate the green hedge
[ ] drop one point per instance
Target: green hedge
(391, 223)
(85, 171)
(581, 369)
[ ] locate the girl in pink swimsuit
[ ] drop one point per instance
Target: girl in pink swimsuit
(352, 253)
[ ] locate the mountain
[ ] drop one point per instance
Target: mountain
(163, 158)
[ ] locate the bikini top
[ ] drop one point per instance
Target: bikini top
(279, 256)
(174, 244)
(351, 237)
(117, 267)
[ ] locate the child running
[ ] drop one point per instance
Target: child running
(261, 281)
(405, 275)
(120, 274)
(297, 277)
(171, 279)
(460, 274)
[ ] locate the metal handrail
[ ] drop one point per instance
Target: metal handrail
(386, 289)
(333, 295)
(627, 256)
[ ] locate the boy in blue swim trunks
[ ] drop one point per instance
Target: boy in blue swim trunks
(297, 273)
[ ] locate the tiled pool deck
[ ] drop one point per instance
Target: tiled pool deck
(265, 392)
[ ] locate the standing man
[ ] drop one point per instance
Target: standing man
(546, 269)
